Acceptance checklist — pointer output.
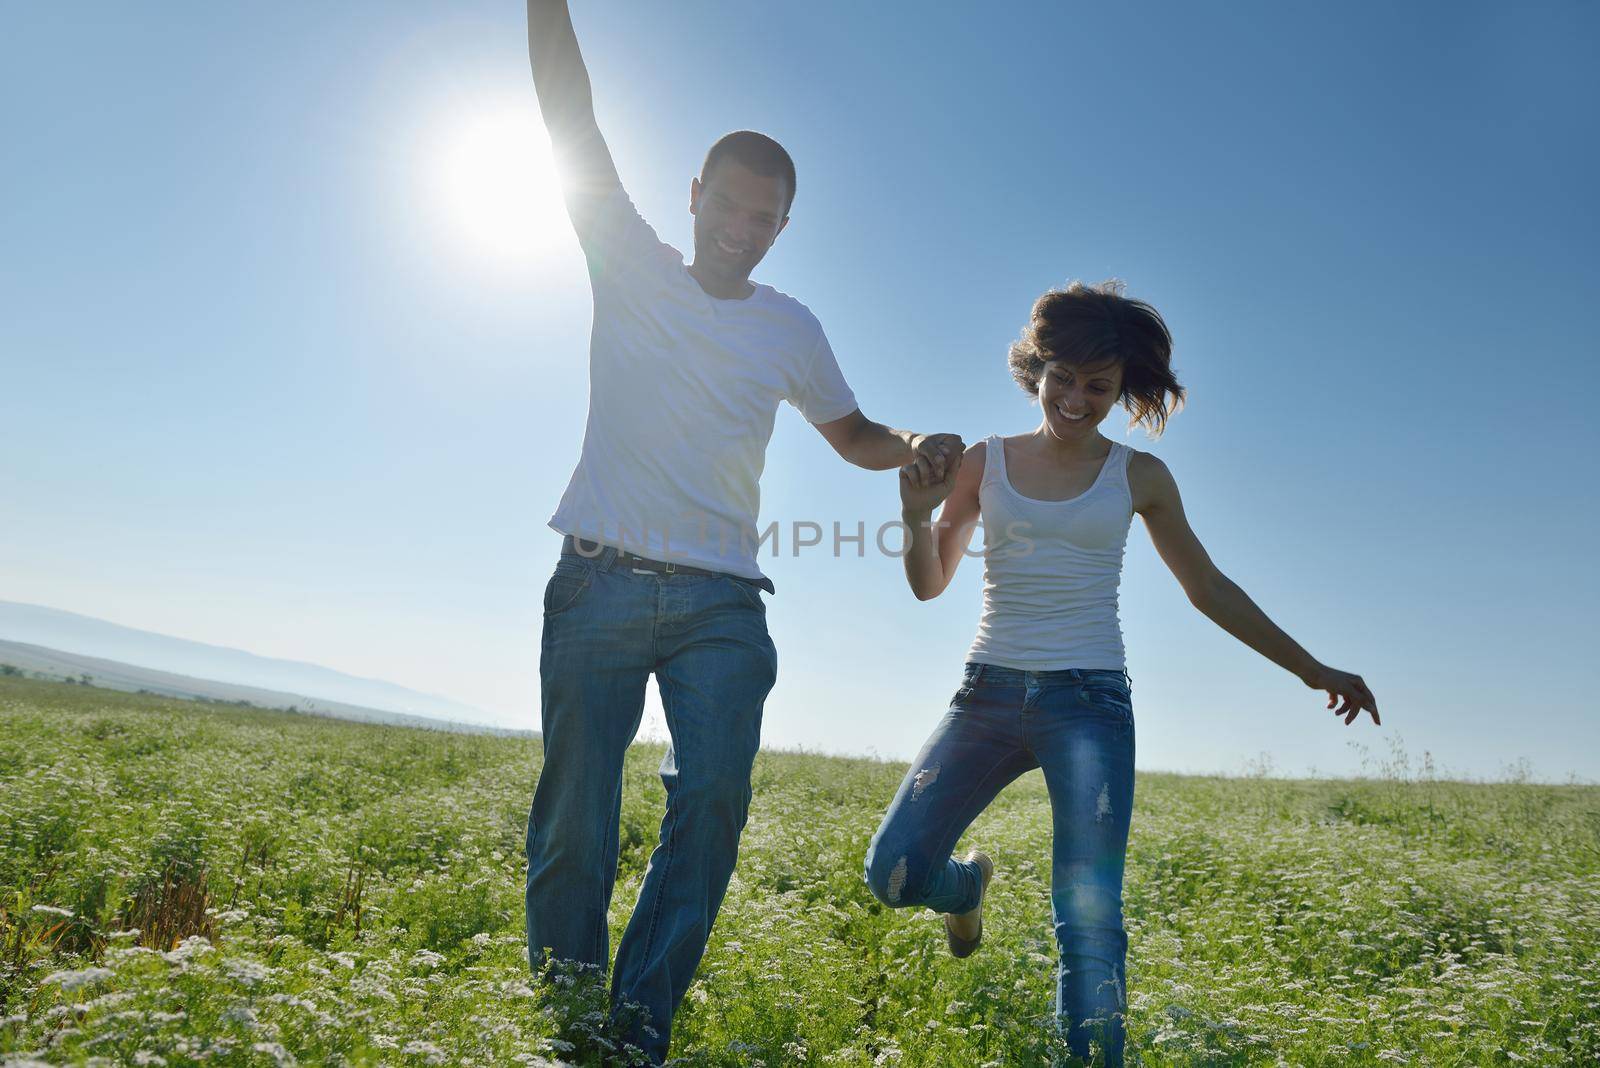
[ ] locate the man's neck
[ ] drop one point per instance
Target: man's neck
(721, 288)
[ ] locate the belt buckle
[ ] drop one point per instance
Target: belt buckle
(669, 569)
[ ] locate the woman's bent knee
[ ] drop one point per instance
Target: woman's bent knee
(889, 877)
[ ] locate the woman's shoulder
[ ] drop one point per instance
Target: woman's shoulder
(1149, 480)
(1016, 441)
(973, 464)
(1143, 462)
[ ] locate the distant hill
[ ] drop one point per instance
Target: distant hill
(67, 633)
(36, 660)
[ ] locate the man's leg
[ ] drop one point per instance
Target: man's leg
(594, 664)
(717, 666)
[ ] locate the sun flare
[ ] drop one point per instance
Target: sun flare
(498, 185)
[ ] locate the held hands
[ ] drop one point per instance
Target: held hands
(928, 479)
(934, 455)
(1344, 689)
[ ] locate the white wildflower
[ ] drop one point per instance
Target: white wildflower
(248, 972)
(293, 1002)
(104, 1001)
(122, 953)
(430, 1053)
(70, 980)
(280, 1056)
(193, 946)
(241, 1013)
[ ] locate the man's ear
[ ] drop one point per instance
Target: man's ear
(780, 227)
(695, 189)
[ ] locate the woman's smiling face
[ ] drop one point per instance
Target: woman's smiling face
(1076, 399)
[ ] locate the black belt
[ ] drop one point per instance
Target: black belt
(594, 550)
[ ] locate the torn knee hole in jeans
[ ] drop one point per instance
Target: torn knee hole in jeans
(897, 880)
(923, 779)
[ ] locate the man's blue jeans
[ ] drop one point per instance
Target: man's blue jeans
(1077, 726)
(606, 629)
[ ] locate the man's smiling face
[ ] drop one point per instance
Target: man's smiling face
(737, 216)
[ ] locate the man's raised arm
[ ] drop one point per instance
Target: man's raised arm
(562, 82)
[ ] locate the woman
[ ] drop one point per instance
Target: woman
(1044, 684)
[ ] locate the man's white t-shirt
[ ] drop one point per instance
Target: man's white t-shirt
(683, 392)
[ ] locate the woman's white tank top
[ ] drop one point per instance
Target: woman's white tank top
(1051, 570)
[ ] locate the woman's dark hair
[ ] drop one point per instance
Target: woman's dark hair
(1091, 325)
(756, 151)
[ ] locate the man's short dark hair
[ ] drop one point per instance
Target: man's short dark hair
(758, 153)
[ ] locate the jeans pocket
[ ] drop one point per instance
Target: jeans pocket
(969, 686)
(1110, 697)
(566, 586)
(749, 593)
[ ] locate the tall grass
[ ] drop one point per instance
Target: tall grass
(183, 883)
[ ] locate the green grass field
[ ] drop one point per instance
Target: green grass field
(183, 883)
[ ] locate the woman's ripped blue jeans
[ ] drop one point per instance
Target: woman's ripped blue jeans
(1077, 726)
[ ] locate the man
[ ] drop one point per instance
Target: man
(658, 573)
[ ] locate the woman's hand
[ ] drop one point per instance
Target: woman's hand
(940, 450)
(1345, 690)
(921, 490)
(934, 550)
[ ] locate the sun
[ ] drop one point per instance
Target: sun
(496, 184)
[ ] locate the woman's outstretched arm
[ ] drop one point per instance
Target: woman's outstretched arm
(1219, 598)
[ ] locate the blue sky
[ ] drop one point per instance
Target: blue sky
(266, 381)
